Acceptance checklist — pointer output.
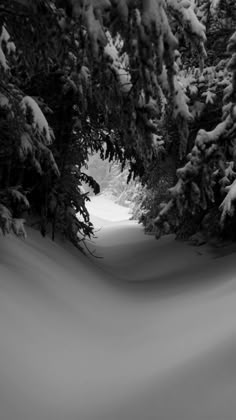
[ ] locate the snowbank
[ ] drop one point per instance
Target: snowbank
(74, 344)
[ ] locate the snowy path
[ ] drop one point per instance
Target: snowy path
(149, 332)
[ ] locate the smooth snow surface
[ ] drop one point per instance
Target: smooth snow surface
(148, 332)
(103, 211)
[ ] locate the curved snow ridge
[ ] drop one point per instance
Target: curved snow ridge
(143, 265)
(72, 347)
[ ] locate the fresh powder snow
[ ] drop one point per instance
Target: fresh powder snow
(146, 332)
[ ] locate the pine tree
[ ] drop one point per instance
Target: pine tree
(109, 65)
(209, 172)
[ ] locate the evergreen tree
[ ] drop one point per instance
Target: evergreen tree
(205, 190)
(114, 77)
(73, 74)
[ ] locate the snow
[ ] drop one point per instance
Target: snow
(5, 219)
(10, 46)
(168, 206)
(4, 101)
(39, 121)
(226, 205)
(209, 96)
(146, 332)
(103, 211)
(180, 102)
(26, 147)
(3, 60)
(95, 30)
(18, 227)
(17, 196)
(214, 5)
(186, 10)
(205, 137)
(118, 65)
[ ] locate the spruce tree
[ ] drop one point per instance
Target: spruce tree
(88, 74)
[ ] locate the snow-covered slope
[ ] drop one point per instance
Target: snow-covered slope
(105, 212)
(146, 333)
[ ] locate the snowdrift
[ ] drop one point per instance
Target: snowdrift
(148, 332)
